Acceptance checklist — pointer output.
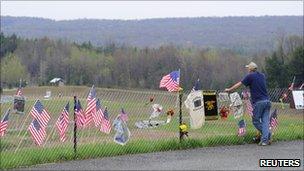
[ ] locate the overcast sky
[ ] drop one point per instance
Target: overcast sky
(65, 10)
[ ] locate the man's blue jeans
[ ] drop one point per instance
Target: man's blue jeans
(260, 118)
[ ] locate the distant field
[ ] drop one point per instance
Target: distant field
(18, 139)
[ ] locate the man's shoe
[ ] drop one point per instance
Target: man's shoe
(270, 138)
(256, 139)
(263, 144)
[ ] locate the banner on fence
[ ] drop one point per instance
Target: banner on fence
(210, 105)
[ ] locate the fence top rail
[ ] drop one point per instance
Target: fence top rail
(85, 89)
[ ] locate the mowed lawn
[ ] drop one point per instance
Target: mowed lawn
(92, 143)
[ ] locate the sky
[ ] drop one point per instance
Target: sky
(126, 10)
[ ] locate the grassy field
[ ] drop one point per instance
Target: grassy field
(18, 149)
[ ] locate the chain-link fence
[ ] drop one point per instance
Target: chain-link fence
(145, 133)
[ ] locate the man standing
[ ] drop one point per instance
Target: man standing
(259, 99)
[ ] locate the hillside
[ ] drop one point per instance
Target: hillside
(243, 34)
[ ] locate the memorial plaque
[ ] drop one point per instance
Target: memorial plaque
(19, 103)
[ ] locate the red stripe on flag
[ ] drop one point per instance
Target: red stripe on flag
(3, 127)
(38, 136)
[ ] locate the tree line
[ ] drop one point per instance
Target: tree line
(37, 61)
(244, 34)
(286, 62)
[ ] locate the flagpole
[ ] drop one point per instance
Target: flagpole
(177, 95)
(180, 115)
(75, 127)
(294, 78)
(180, 94)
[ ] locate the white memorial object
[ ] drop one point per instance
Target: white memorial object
(195, 105)
(237, 105)
(298, 98)
(235, 99)
(48, 94)
(122, 134)
(224, 100)
(157, 109)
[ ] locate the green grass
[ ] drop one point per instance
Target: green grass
(93, 144)
(32, 156)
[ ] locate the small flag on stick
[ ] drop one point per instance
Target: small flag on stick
(197, 85)
(98, 115)
(63, 122)
(91, 107)
(247, 102)
(37, 131)
(105, 123)
(4, 123)
(242, 128)
(273, 123)
(292, 84)
(38, 112)
(124, 115)
(19, 92)
(80, 119)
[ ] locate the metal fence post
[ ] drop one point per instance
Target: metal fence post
(180, 115)
(75, 127)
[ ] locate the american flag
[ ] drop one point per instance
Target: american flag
(19, 91)
(105, 123)
(80, 119)
(170, 81)
(242, 128)
(197, 85)
(91, 107)
(124, 115)
(248, 104)
(4, 123)
(98, 115)
(249, 108)
(63, 122)
(38, 132)
(38, 112)
(301, 86)
(273, 123)
(292, 84)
